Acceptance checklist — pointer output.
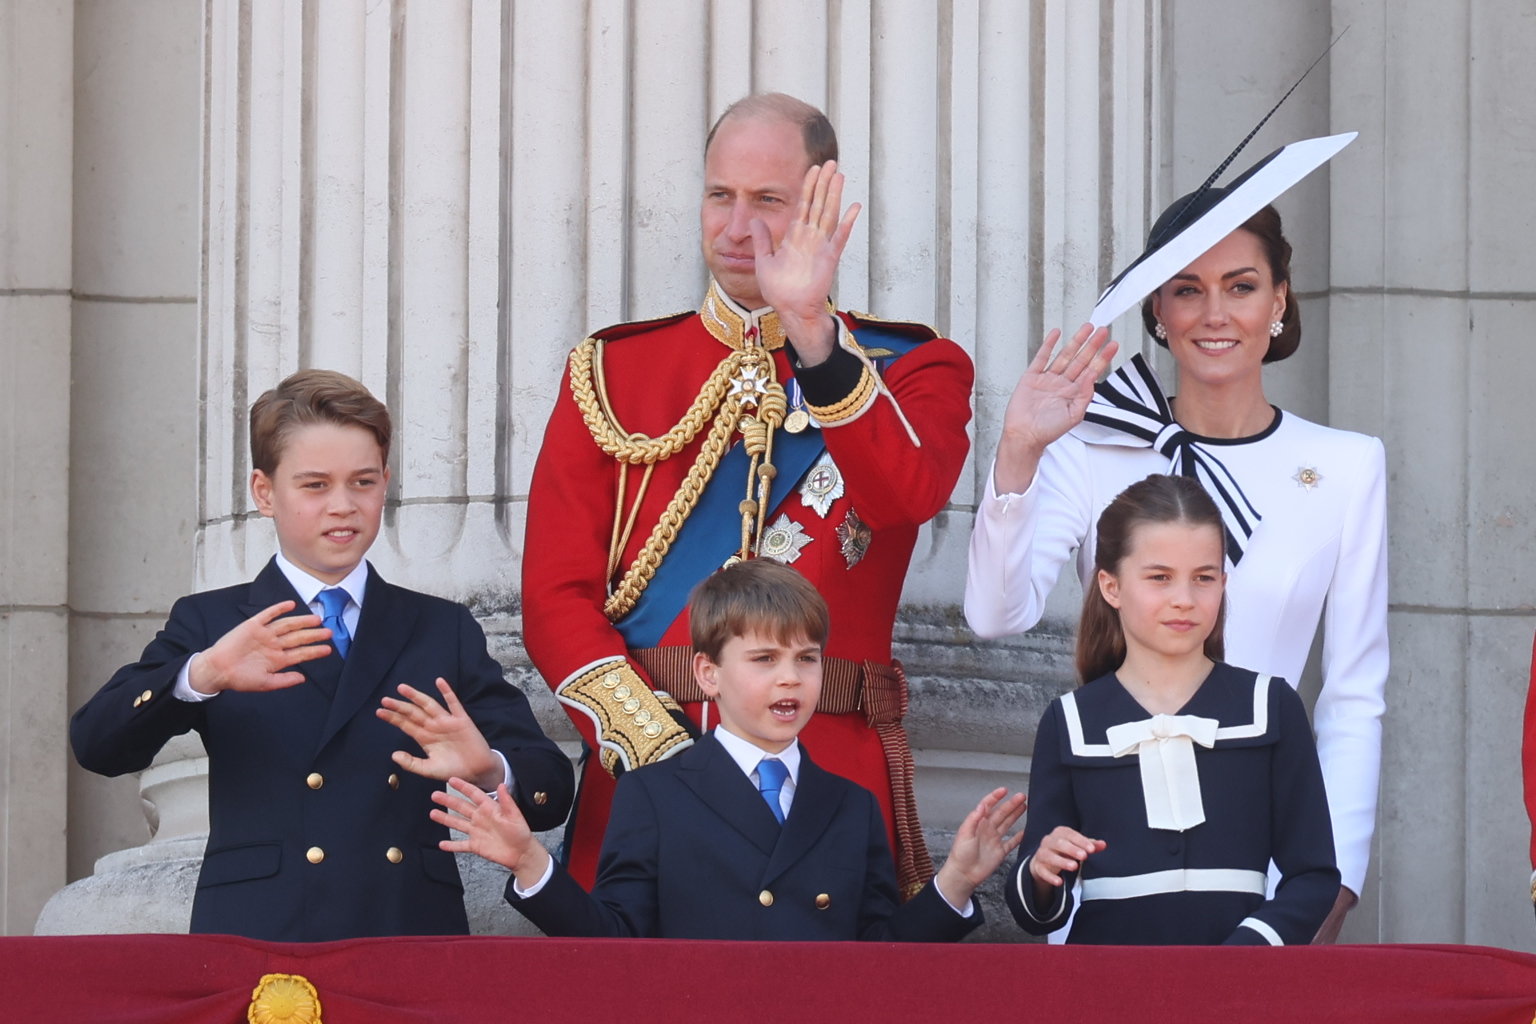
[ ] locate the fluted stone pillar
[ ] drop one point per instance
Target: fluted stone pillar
(36, 97)
(1431, 316)
(132, 439)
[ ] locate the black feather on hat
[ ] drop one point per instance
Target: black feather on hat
(1192, 224)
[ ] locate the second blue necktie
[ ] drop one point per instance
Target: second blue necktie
(770, 780)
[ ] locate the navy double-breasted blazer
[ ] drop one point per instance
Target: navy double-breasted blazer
(693, 852)
(314, 833)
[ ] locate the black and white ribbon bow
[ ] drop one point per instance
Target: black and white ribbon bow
(1132, 410)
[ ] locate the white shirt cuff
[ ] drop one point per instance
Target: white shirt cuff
(536, 887)
(966, 911)
(183, 690)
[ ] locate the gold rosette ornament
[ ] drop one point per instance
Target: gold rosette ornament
(284, 999)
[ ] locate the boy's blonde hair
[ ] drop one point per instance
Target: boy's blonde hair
(308, 397)
(756, 596)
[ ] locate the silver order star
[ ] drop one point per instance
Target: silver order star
(751, 384)
(1307, 477)
(783, 540)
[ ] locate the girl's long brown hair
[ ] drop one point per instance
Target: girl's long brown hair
(1157, 499)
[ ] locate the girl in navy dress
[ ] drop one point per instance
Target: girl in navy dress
(1168, 782)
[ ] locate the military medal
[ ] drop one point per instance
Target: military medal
(751, 383)
(1307, 477)
(822, 485)
(854, 537)
(783, 540)
(798, 419)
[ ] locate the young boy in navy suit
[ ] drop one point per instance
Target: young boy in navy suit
(741, 836)
(314, 831)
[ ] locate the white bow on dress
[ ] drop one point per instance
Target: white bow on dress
(1170, 782)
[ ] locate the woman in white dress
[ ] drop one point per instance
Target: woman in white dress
(1305, 505)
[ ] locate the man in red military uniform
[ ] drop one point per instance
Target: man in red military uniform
(766, 424)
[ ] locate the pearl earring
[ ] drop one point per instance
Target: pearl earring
(1160, 331)
(1275, 328)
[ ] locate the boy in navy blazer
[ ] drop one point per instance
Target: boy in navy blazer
(318, 822)
(741, 836)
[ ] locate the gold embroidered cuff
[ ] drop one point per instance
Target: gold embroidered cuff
(634, 724)
(850, 407)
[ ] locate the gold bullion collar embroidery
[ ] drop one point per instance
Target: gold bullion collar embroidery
(737, 328)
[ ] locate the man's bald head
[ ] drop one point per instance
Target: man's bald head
(815, 129)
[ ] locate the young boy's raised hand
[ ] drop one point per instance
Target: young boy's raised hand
(454, 745)
(261, 652)
(1063, 849)
(493, 828)
(981, 844)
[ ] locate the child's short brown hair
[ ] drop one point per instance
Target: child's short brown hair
(757, 596)
(307, 397)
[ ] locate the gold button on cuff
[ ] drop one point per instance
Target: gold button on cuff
(541, 798)
(147, 696)
(394, 780)
(314, 855)
(394, 855)
(765, 898)
(314, 780)
(823, 901)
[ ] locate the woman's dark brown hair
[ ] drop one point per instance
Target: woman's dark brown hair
(1155, 500)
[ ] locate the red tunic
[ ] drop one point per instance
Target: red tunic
(1528, 763)
(652, 374)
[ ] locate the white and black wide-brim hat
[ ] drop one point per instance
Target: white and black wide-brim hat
(1194, 223)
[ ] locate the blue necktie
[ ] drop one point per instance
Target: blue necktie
(334, 600)
(770, 779)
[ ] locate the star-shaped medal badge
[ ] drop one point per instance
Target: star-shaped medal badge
(822, 485)
(854, 536)
(1307, 477)
(751, 383)
(783, 540)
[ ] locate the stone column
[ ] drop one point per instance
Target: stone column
(133, 440)
(36, 102)
(1432, 313)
